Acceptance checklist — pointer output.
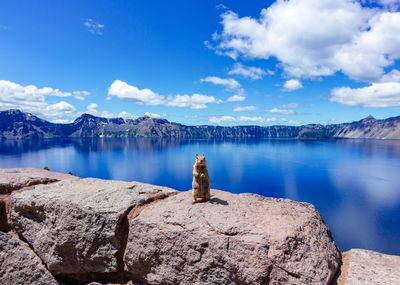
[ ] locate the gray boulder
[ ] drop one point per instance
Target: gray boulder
(79, 227)
(233, 239)
(19, 265)
(362, 266)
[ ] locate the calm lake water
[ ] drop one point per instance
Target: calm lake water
(355, 184)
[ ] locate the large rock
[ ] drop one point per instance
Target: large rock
(233, 239)
(12, 179)
(19, 265)
(368, 267)
(79, 226)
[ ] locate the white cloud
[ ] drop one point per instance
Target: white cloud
(62, 121)
(195, 101)
(287, 109)
(30, 98)
(153, 115)
(229, 83)
(292, 85)
(220, 7)
(93, 26)
(92, 108)
(392, 76)
(54, 112)
(80, 95)
(17, 91)
(242, 119)
(61, 106)
(251, 72)
(316, 38)
(291, 105)
(282, 111)
(236, 98)
(221, 119)
(126, 115)
(124, 91)
(244, 108)
(382, 94)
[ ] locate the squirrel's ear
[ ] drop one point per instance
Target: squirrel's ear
(197, 155)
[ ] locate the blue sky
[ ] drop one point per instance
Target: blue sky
(202, 62)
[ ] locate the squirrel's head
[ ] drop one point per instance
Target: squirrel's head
(200, 159)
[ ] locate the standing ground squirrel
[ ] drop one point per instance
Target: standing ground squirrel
(201, 181)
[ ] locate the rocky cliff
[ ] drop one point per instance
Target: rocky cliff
(91, 231)
(15, 124)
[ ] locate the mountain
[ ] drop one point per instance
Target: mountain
(15, 124)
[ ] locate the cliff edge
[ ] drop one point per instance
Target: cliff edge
(92, 231)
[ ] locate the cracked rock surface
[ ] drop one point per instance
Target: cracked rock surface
(79, 226)
(20, 265)
(233, 239)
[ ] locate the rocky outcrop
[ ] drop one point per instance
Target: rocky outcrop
(233, 239)
(12, 179)
(92, 231)
(19, 264)
(368, 267)
(77, 227)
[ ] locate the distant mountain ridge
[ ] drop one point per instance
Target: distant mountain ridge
(15, 124)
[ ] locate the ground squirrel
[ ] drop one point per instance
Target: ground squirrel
(201, 181)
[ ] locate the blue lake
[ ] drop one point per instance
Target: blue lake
(355, 184)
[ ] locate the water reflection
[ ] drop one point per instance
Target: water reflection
(353, 183)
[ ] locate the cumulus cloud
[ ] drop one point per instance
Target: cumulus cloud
(316, 38)
(126, 115)
(236, 98)
(61, 106)
(251, 72)
(229, 83)
(244, 108)
(93, 27)
(195, 101)
(92, 109)
(229, 120)
(30, 98)
(153, 115)
(282, 111)
(54, 112)
(124, 91)
(20, 92)
(287, 109)
(292, 85)
(381, 94)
